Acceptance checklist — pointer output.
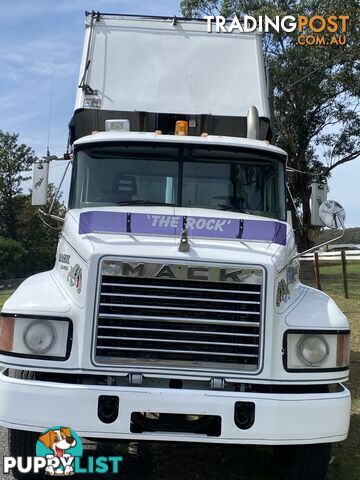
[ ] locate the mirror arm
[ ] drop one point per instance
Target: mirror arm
(293, 203)
(58, 190)
(49, 215)
(316, 247)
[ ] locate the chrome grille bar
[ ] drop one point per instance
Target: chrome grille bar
(246, 302)
(179, 331)
(182, 319)
(168, 307)
(193, 289)
(180, 351)
(193, 342)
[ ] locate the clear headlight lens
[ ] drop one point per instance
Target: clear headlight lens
(29, 337)
(313, 349)
(317, 350)
(39, 336)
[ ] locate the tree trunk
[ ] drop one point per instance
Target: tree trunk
(307, 271)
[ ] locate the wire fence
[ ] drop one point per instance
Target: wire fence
(334, 272)
(319, 269)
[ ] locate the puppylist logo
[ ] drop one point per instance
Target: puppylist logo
(59, 452)
(316, 30)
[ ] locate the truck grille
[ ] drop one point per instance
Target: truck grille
(177, 321)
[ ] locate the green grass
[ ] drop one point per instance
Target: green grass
(347, 455)
(3, 296)
(346, 463)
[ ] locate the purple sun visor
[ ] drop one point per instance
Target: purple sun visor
(157, 224)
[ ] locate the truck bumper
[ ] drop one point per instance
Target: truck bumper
(279, 418)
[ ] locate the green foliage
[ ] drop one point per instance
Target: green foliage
(315, 89)
(351, 236)
(35, 246)
(15, 160)
(12, 257)
(196, 8)
(27, 245)
(39, 240)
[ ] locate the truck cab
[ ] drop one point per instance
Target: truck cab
(174, 311)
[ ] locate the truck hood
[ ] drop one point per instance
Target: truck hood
(155, 232)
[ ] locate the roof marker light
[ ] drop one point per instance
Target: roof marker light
(121, 125)
(182, 127)
(92, 101)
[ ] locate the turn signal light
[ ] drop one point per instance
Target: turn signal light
(6, 333)
(343, 351)
(182, 127)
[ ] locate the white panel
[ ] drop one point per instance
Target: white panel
(318, 196)
(151, 65)
(280, 418)
(40, 183)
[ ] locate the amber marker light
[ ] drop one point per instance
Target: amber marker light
(182, 127)
(343, 350)
(6, 333)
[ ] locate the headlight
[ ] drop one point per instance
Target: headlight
(39, 336)
(316, 351)
(35, 337)
(313, 349)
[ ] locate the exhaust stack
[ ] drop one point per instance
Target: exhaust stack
(253, 123)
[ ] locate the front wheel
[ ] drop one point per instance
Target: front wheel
(303, 462)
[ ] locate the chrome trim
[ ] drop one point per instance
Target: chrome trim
(179, 271)
(147, 271)
(170, 287)
(197, 342)
(180, 331)
(179, 298)
(178, 351)
(181, 319)
(151, 307)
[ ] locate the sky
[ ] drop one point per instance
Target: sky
(40, 49)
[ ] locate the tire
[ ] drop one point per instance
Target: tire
(303, 462)
(22, 444)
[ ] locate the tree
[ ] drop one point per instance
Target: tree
(27, 245)
(316, 91)
(12, 256)
(37, 238)
(15, 160)
(351, 236)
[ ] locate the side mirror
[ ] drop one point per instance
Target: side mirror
(40, 184)
(319, 192)
(332, 214)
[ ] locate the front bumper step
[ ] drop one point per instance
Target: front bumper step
(279, 418)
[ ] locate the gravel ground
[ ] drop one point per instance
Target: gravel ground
(178, 461)
(3, 453)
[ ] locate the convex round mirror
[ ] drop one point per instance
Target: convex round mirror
(332, 214)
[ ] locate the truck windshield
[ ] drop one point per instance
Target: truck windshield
(178, 175)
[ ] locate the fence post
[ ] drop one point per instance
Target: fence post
(317, 270)
(343, 266)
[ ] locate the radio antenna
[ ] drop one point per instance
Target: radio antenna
(50, 109)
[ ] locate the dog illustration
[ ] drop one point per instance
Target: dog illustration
(58, 441)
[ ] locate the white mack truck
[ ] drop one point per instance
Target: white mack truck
(174, 311)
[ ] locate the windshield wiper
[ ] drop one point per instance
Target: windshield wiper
(234, 209)
(144, 202)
